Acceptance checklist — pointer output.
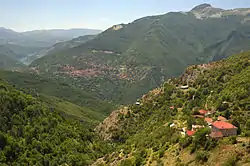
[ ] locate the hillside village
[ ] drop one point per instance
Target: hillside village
(182, 118)
(163, 90)
(219, 128)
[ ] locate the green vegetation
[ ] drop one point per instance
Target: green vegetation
(237, 41)
(9, 64)
(33, 134)
(130, 59)
(72, 101)
(144, 134)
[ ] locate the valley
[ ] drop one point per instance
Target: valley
(168, 89)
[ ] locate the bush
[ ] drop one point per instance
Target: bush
(231, 162)
(202, 156)
(185, 142)
(233, 140)
(161, 152)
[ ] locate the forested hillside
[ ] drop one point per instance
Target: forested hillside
(10, 64)
(72, 101)
(237, 41)
(152, 132)
(127, 60)
(31, 133)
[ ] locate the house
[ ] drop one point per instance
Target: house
(203, 112)
(190, 132)
(184, 87)
(137, 103)
(196, 127)
(221, 118)
(172, 125)
(209, 121)
(172, 107)
(226, 129)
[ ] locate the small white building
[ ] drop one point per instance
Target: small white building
(184, 87)
(137, 103)
(172, 125)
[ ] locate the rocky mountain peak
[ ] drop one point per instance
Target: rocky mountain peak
(202, 7)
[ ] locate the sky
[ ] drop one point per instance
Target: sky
(25, 15)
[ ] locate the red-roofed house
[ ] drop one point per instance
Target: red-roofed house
(209, 121)
(221, 118)
(190, 132)
(203, 112)
(227, 129)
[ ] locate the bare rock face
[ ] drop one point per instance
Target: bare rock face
(111, 124)
(205, 11)
(201, 7)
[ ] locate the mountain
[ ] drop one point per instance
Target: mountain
(126, 60)
(42, 38)
(34, 44)
(7, 59)
(9, 63)
(33, 133)
(61, 46)
(57, 35)
(237, 41)
(152, 131)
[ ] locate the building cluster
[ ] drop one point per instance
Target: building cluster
(220, 126)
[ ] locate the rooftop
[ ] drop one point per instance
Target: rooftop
(190, 132)
(223, 125)
(221, 118)
(209, 120)
(203, 112)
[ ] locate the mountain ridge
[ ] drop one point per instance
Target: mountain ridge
(145, 51)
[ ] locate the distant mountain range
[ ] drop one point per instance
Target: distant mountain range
(42, 38)
(30, 45)
(7, 60)
(61, 46)
(126, 60)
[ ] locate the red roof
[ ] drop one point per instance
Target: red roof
(190, 132)
(216, 134)
(209, 120)
(203, 112)
(223, 125)
(221, 118)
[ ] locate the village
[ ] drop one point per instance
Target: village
(220, 126)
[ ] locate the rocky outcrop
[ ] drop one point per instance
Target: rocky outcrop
(110, 124)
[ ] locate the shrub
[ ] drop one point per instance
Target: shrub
(231, 161)
(185, 142)
(202, 156)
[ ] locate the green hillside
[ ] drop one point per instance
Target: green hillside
(31, 133)
(237, 41)
(73, 101)
(9, 64)
(58, 47)
(127, 60)
(149, 133)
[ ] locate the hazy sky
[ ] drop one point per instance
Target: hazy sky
(22, 15)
